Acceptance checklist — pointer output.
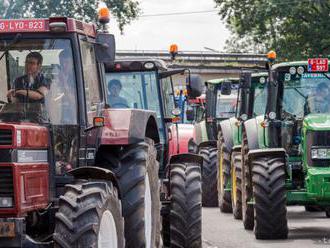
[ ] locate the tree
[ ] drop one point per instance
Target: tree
(294, 28)
(85, 10)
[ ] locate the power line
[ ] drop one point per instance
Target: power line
(179, 13)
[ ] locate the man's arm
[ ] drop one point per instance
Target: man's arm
(38, 94)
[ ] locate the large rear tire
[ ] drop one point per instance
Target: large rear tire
(270, 198)
(236, 184)
(186, 206)
(224, 173)
(139, 186)
(209, 177)
(247, 191)
(89, 215)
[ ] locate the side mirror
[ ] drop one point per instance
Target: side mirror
(176, 112)
(226, 88)
(190, 114)
(105, 48)
(194, 86)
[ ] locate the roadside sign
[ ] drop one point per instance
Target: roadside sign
(33, 25)
(318, 65)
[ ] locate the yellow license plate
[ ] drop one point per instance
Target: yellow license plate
(7, 229)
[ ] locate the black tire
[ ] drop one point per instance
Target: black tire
(270, 198)
(209, 177)
(313, 208)
(224, 174)
(136, 162)
(236, 187)
(327, 212)
(186, 206)
(247, 191)
(80, 212)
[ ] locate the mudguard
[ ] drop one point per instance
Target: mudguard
(212, 143)
(200, 133)
(91, 172)
(128, 126)
(251, 130)
(265, 152)
(187, 158)
(227, 133)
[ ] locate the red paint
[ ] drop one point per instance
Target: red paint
(42, 25)
(318, 65)
(32, 135)
(31, 188)
(178, 146)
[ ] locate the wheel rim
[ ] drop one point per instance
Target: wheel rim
(234, 184)
(147, 212)
(107, 237)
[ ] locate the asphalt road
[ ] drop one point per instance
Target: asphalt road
(306, 229)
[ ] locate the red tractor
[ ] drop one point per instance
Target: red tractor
(74, 172)
(147, 84)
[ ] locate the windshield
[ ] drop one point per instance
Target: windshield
(136, 90)
(260, 100)
(37, 82)
(226, 104)
(306, 94)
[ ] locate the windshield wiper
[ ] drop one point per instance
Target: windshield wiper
(10, 45)
(325, 74)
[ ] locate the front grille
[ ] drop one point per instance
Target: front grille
(6, 182)
(317, 139)
(6, 137)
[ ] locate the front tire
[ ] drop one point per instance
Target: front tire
(89, 215)
(224, 173)
(209, 177)
(186, 206)
(270, 198)
(137, 175)
(236, 182)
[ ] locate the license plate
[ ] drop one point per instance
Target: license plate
(7, 229)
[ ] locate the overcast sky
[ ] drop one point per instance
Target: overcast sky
(189, 32)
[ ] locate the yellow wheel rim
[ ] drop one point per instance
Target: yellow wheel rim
(221, 172)
(234, 183)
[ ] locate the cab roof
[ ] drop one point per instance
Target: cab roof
(221, 80)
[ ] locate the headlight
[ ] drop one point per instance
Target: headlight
(6, 202)
(320, 153)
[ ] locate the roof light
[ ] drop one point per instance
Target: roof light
(118, 66)
(300, 70)
(149, 65)
(271, 55)
(262, 80)
(104, 13)
(57, 27)
(292, 70)
(173, 50)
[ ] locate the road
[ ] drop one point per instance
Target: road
(306, 229)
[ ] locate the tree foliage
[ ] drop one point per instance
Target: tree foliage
(294, 28)
(85, 10)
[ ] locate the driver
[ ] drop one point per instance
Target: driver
(116, 101)
(33, 86)
(318, 103)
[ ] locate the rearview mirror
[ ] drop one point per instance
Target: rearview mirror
(105, 48)
(194, 86)
(226, 88)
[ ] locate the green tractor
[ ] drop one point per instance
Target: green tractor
(286, 151)
(251, 102)
(221, 97)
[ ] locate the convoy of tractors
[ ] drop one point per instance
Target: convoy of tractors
(98, 152)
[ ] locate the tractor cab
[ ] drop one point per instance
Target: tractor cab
(221, 99)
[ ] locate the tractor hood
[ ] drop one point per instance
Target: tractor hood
(317, 122)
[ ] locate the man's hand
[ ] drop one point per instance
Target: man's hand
(11, 93)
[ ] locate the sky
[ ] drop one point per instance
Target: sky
(190, 32)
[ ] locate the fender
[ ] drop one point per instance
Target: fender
(200, 134)
(227, 133)
(187, 158)
(128, 126)
(251, 130)
(91, 172)
(180, 137)
(265, 152)
(212, 143)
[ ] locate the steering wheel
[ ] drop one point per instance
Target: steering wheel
(119, 105)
